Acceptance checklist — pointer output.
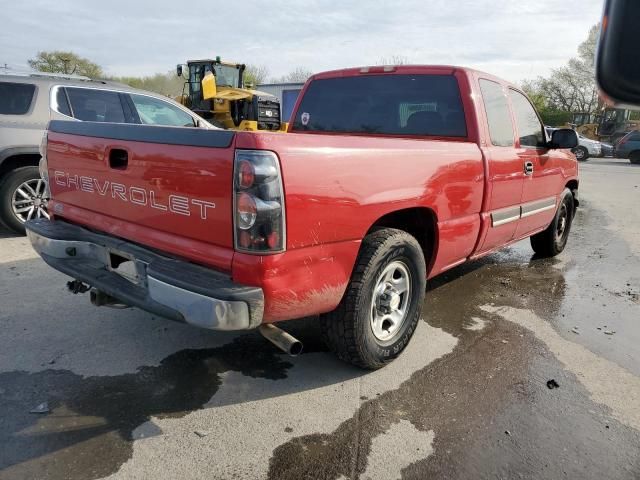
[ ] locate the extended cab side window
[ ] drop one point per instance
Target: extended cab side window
(153, 111)
(529, 127)
(498, 115)
(15, 98)
(93, 105)
(404, 105)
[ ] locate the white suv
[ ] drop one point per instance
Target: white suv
(28, 102)
(586, 147)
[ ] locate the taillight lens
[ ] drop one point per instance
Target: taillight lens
(259, 217)
(43, 167)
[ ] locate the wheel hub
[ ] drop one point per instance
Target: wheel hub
(30, 200)
(390, 302)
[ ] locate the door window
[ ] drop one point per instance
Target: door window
(62, 104)
(153, 111)
(91, 105)
(15, 98)
(498, 116)
(529, 126)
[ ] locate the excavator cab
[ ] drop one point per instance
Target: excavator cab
(215, 90)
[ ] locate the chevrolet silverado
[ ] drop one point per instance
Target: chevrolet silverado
(387, 177)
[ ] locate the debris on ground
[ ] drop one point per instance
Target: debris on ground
(201, 433)
(42, 408)
(551, 384)
(609, 332)
(507, 432)
(575, 330)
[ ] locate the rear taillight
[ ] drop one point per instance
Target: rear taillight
(43, 167)
(259, 220)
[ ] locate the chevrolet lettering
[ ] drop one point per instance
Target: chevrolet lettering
(177, 204)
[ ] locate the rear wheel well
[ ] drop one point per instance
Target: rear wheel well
(419, 222)
(573, 186)
(17, 161)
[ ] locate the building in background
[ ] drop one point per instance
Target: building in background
(287, 93)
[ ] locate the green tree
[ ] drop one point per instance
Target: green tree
(572, 87)
(168, 84)
(65, 62)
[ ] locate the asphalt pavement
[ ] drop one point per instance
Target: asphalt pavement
(521, 368)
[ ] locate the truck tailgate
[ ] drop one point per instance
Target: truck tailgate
(161, 186)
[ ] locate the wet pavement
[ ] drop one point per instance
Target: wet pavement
(132, 396)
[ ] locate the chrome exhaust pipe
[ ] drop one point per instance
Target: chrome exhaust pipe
(102, 299)
(281, 339)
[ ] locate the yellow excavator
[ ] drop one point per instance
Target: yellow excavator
(215, 90)
(609, 125)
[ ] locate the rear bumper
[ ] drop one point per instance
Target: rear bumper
(171, 288)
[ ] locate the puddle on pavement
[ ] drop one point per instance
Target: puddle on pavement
(487, 401)
(493, 382)
(88, 433)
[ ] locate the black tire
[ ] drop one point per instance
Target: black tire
(551, 242)
(8, 187)
(581, 153)
(348, 330)
(635, 158)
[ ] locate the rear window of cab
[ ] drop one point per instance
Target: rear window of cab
(402, 105)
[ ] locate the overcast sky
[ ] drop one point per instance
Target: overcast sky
(512, 39)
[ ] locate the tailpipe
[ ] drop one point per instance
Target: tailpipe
(102, 299)
(281, 339)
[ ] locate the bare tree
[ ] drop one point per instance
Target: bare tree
(65, 62)
(393, 60)
(299, 75)
(256, 74)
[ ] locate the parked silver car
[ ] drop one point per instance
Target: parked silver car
(28, 102)
(586, 147)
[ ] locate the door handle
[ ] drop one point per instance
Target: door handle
(528, 168)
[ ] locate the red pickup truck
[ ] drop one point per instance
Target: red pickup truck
(387, 177)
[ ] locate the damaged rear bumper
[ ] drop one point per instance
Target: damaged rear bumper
(171, 288)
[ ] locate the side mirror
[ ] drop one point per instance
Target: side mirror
(179, 70)
(563, 138)
(618, 55)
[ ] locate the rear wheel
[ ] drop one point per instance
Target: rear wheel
(581, 153)
(551, 242)
(381, 307)
(635, 158)
(22, 197)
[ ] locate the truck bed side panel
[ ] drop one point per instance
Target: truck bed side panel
(337, 186)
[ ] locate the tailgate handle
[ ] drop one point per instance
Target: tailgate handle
(118, 158)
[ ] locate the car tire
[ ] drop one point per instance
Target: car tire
(551, 241)
(581, 153)
(635, 158)
(14, 180)
(381, 307)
